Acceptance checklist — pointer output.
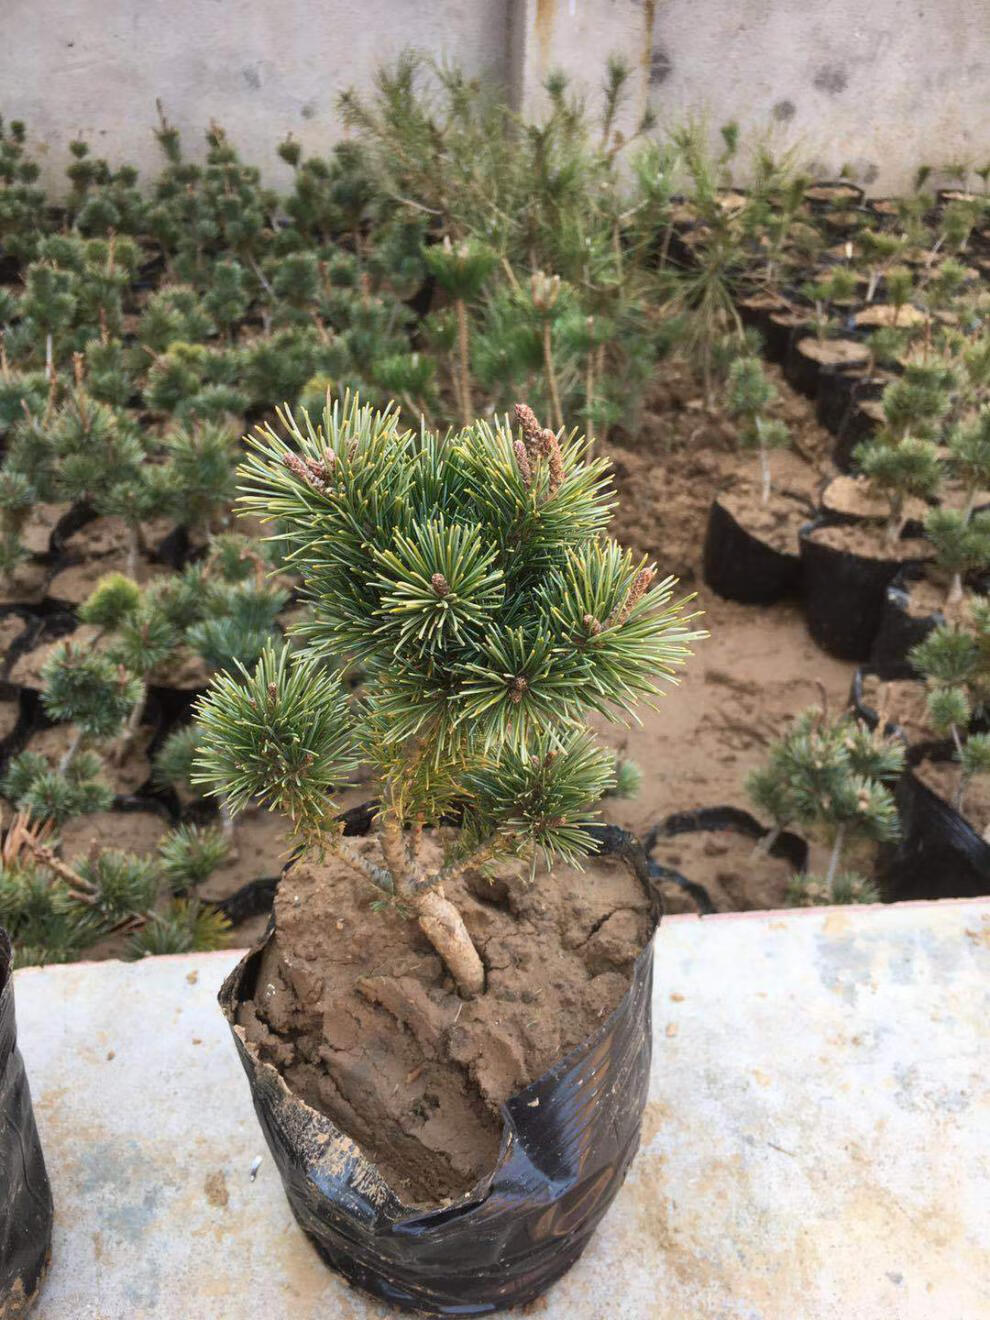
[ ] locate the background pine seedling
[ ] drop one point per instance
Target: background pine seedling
(749, 396)
(830, 777)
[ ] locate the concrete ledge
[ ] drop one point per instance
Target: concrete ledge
(817, 1142)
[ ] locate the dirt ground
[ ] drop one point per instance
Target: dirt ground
(755, 670)
(758, 667)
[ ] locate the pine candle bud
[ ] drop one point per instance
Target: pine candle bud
(311, 470)
(544, 290)
(551, 452)
(636, 592)
(519, 686)
(440, 584)
(522, 458)
(530, 426)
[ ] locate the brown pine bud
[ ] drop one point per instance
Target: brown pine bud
(592, 625)
(519, 686)
(637, 590)
(440, 584)
(551, 450)
(272, 691)
(310, 470)
(522, 458)
(527, 420)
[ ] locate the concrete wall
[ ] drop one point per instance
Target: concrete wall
(258, 67)
(880, 87)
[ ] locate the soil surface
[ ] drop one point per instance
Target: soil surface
(132, 831)
(870, 543)
(423, 1102)
(833, 352)
(903, 702)
(776, 523)
(738, 876)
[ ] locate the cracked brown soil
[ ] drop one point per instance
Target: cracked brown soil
(355, 1009)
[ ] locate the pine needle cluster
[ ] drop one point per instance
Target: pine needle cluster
(472, 578)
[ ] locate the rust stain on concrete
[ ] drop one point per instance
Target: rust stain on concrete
(543, 29)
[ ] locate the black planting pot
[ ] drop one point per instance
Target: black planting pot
(844, 593)
(840, 391)
(789, 847)
(899, 630)
(805, 372)
(699, 893)
(755, 312)
(254, 899)
(25, 1194)
(857, 426)
(46, 626)
(939, 854)
(740, 566)
(10, 268)
(568, 1140)
(783, 331)
(72, 521)
(834, 399)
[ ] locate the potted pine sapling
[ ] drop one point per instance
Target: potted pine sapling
(830, 777)
(751, 544)
(198, 479)
(472, 579)
(962, 546)
(849, 561)
(958, 529)
(94, 696)
(461, 270)
(817, 357)
(944, 801)
(748, 399)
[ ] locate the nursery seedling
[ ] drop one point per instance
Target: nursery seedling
(962, 544)
(830, 776)
(902, 461)
(837, 287)
(54, 910)
(955, 661)
(749, 397)
(472, 579)
(462, 272)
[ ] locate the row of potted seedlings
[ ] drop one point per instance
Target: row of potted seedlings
(890, 564)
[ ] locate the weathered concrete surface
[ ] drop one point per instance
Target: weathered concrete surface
(882, 87)
(817, 1143)
(258, 68)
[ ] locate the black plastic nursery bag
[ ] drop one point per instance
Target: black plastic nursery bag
(25, 1196)
(568, 1140)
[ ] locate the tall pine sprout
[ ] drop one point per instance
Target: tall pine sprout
(472, 578)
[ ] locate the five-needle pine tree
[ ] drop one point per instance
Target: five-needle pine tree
(471, 577)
